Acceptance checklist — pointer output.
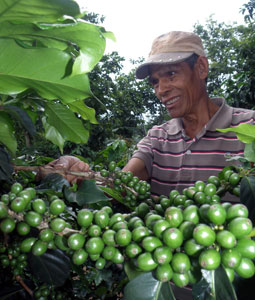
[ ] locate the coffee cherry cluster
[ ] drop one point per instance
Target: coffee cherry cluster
(14, 259)
(45, 292)
(132, 189)
(174, 237)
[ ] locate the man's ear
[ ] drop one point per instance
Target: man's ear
(202, 67)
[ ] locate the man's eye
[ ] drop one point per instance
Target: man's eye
(153, 81)
(171, 73)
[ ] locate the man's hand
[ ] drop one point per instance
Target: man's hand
(65, 163)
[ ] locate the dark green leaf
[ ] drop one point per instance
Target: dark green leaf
(6, 168)
(102, 275)
(8, 292)
(247, 194)
(88, 192)
(54, 182)
(131, 271)
(201, 290)
(214, 285)
(146, 287)
(222, 286)
(53, 267)
(21, 116)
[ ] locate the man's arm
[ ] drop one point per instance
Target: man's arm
(70, 163)
(137, 167)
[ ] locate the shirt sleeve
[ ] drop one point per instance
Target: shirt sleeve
(145, 152)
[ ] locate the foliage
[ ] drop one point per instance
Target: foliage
(230, 50)
(58, 50)
(128, 107)
(75, 279)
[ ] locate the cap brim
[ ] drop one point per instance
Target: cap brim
(162, 58)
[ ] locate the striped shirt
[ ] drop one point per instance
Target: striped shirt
(176, 161)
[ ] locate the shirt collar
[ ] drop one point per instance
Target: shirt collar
(221, 119)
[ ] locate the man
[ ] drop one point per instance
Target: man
(188, 147)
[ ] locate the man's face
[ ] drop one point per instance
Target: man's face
(178, 87)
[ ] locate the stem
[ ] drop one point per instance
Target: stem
(44, 170)
(22, 283)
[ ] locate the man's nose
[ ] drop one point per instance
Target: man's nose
(163, 86)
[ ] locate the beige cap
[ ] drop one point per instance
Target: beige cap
(171, 48)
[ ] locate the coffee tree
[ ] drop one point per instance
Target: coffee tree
(107, 237)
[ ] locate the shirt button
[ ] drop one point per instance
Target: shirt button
(188, 152)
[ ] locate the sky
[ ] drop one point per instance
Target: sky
(135, 23)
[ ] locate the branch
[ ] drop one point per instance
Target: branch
(22, 283)
(42, 171)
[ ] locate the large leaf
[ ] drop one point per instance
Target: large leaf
(85, 37)
(7, 132)
(37, 10)
(244, 132)
(53, 135)
(146, 287)
(22, 117)
(87, 193)
(41, 69)
(66, 123)
(53, 267)
(247, 194)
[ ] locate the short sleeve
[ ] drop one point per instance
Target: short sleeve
(145, 152)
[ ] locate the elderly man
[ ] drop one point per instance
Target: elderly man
(187, 148)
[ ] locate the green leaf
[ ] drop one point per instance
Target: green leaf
(21, 116)
(103, 275)
(78, 36)
(53, 135)
(40, 69)
(247, 194)
(249, 151)
(53, 181)
(108, 34)
(244, 132)
(87, 113)
(146, 287)
(87, 193)
(7, 136)
(66, 123)
(37, 10)
(222, 286)
(201, 290)
(111, 192)
(131, 271)
(214, 285)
